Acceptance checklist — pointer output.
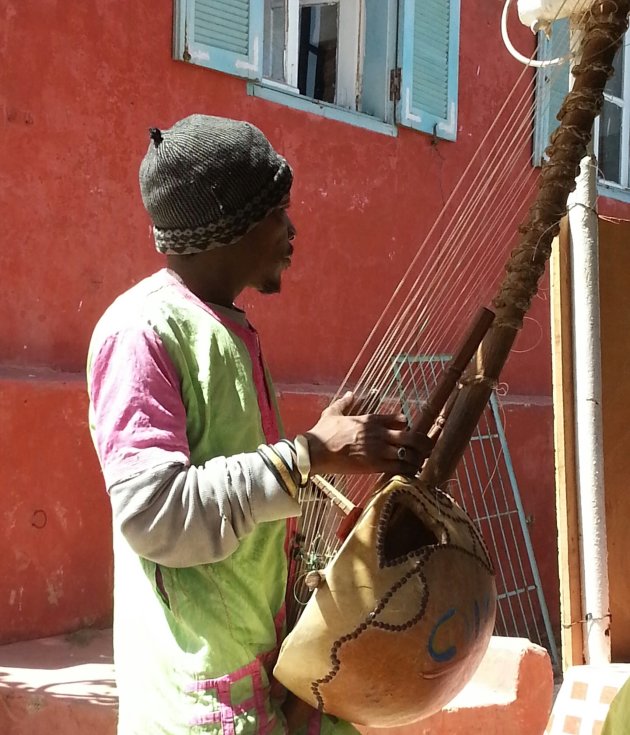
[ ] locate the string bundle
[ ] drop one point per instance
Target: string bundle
(391, 586)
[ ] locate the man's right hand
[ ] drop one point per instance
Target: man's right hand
(366, 444)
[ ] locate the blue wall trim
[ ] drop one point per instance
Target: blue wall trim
(613, 192)
(322, 109)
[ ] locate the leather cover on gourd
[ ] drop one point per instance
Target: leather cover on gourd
(404, 616)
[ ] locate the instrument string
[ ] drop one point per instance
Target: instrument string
(423, 277)
(367, 378)
(455, 194)
(498, 191)
(403, 388)
(499, 238)
(480, 265)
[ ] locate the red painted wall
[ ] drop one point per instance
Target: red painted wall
(55, 566)
(79, 87)
(84, 87)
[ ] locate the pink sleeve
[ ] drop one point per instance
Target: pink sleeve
(137, 415)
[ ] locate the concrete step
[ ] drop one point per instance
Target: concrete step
(61, 686)
(65, 685)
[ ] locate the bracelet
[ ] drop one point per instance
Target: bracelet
(303, 458)
(277, 465)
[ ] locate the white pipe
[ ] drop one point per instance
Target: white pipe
(527, 60)
(588, 414)
(540, 13)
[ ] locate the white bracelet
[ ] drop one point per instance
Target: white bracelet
(303, 458)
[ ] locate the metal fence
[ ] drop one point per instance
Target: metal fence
(486, 487)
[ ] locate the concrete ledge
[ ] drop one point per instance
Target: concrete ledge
(66, 685)
(61, 685)
(510, 694)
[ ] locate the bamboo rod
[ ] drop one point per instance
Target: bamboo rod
(435, 403)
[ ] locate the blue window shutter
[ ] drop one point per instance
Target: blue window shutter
(221, 34)
(552, 85)
(381, 28)
(429, 65)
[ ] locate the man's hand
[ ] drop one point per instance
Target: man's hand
(372, 443)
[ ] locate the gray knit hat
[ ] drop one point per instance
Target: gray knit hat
(207, 181)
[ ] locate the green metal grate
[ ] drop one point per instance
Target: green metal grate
(486, 487)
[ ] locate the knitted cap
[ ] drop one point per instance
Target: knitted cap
(207, 181)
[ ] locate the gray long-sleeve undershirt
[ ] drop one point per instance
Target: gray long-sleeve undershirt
(179, 515)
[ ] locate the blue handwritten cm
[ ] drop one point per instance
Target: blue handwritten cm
(472, 624)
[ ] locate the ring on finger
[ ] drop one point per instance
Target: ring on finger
(402, 454)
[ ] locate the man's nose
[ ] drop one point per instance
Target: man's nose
(291, 230)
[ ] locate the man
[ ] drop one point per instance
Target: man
(185, 424)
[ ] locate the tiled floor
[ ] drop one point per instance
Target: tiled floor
(584, 698)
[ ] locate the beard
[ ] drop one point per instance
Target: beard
(270, 286)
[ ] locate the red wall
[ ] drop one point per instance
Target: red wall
(82, 91)
(79, 88)
(55, 566)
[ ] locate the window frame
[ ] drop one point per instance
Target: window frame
(544, 114)
(349, 56)
(370, 83)
(622, 186)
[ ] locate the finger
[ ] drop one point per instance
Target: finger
(342, 405)
(394, 421)
(405, 456)
(420, 443)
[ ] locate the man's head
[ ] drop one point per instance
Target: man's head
(217, 190)
(207, 181)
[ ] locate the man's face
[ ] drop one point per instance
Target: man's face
(268, 249)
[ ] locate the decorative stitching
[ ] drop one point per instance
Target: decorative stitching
(444, 503)
(381, 531)
(371, 621)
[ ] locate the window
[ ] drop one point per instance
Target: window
(612, 128)
(611, 134)
(369, 62)
(311, 47)
(319, 46)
